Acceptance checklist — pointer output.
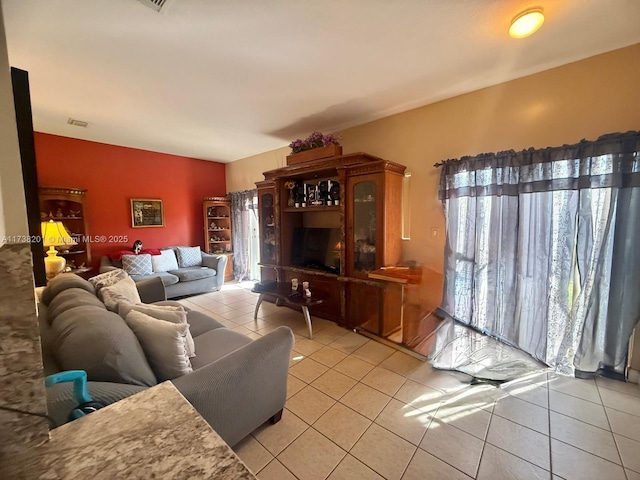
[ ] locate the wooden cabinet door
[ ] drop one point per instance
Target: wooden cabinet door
(267, 225)
(364, 232)
(363, 307)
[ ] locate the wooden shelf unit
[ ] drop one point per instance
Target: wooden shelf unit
(369, 220)
(218, 230)
(67, 205)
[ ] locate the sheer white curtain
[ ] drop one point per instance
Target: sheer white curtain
(243, 211)
(542, 249)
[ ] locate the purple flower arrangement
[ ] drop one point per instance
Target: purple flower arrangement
(315, 140)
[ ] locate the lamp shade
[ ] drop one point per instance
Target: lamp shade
(55, 235)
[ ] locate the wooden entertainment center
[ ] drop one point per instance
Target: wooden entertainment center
(366, 222)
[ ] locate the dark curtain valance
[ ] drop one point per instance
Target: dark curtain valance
(612, 160)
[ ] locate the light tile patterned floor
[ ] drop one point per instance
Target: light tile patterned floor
(358, 409)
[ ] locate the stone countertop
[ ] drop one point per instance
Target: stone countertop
(153, 434)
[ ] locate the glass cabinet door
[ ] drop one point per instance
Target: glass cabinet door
(267, 229)
(364, 226)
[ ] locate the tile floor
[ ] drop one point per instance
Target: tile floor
(358, 409)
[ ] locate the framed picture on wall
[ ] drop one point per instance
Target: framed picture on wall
(146, 212)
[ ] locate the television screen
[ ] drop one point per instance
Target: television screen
(317, 248)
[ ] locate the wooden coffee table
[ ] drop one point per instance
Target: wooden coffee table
(284, 294)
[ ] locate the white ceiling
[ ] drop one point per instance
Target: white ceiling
(225, 79)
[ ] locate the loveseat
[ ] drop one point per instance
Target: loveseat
(204, 273)
(236, 385)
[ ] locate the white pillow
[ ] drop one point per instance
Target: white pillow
(123, 291)
(189, 257)
(161, 312)
(163, 343)
(165, 261)
(137, 264)
(107, 279)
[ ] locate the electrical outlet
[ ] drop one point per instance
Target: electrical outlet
(435, 232)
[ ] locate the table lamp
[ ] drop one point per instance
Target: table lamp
(54, 235)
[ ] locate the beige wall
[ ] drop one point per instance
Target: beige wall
(564, 105)
(242, 174)
(13, 211)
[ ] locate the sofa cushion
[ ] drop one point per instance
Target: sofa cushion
(107, 279)
(123, 291)
(173, 314)
(137, 264)
(193, 273)
(215, 344)
(164, 344)
(165, 261)
(189, 257)
(63, 282)
(200, 323)
(70, 299)
(100, 342)
(167, 278)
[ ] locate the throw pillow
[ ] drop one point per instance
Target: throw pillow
(123, 291)
(164, 344)
(167, 313)
(165, 261)
(137, 264)
(99, 342)
(189, 257)
(107, 279)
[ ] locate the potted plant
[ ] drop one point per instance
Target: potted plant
(314, 147)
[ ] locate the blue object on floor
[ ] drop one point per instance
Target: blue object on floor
(86, 405)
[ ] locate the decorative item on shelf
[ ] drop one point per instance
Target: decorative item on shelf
(323, 193)
(74, 213)
(54, 234)
(294, 284)
(314, 147)
(334, 192)
(313, 194)
(300, 196)
(290, 185)
(305, 288)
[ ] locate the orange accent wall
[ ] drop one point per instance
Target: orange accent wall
(112, 175)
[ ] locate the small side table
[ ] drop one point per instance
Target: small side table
(282, 291)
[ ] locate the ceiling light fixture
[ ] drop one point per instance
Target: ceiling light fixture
(526, 23)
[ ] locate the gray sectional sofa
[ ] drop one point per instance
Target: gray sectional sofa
(237, 383)
(207, 277)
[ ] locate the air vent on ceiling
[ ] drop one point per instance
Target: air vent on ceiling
(77, 123)
(156, 5)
